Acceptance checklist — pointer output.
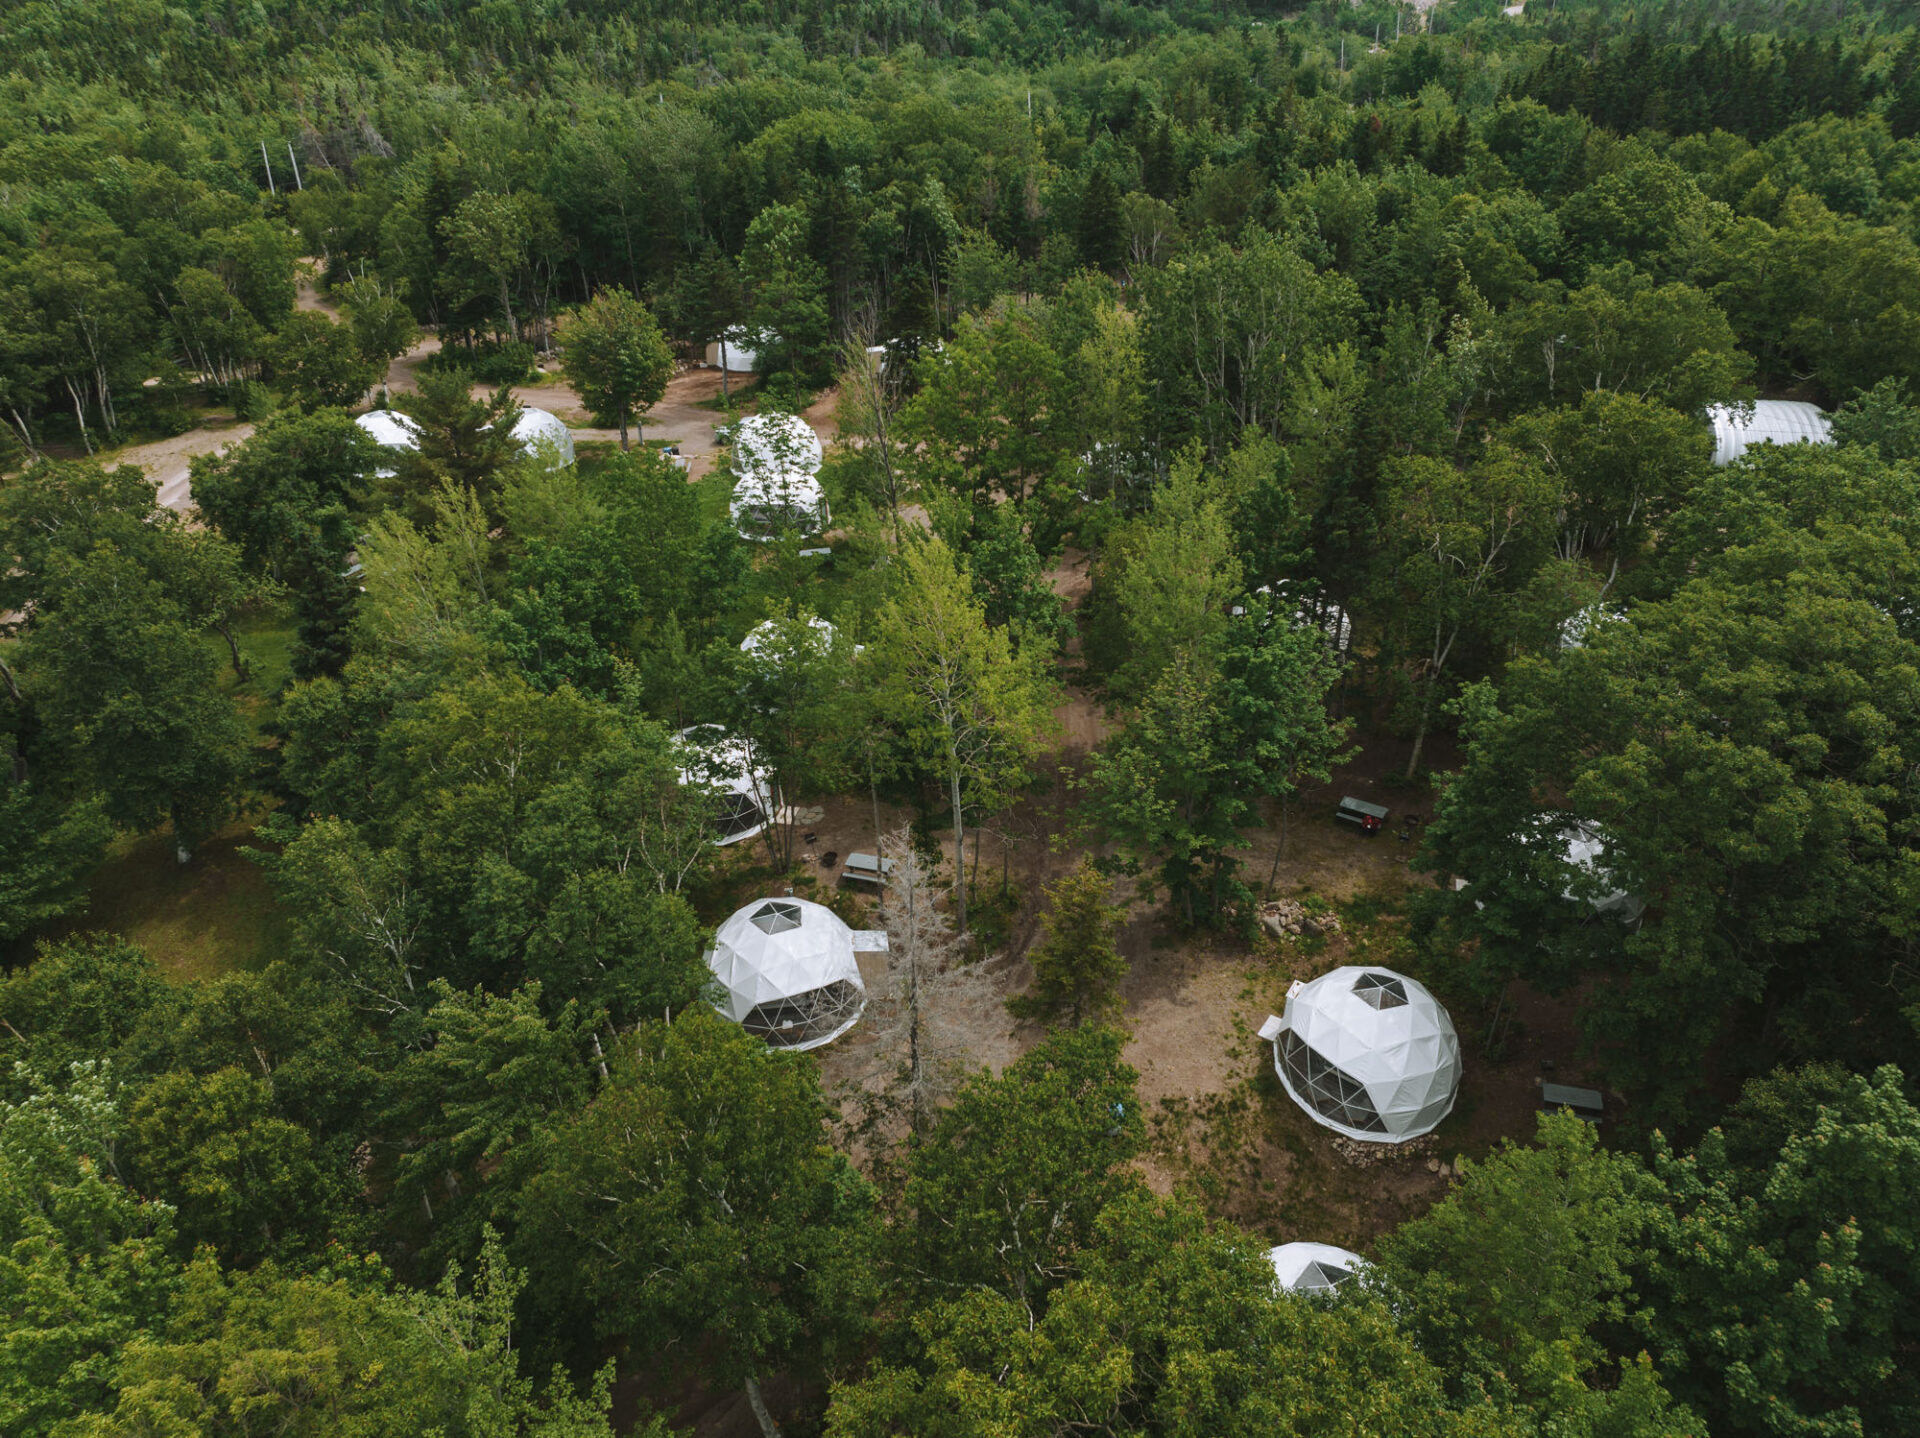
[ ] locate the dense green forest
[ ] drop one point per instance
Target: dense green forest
(1228, 407)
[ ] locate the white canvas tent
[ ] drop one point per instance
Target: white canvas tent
(769, 445)
(1313, 1267)
(541, 433)
(713, 757)
(1367, 1052)
(1772, 421)
(788, 970)
(764, 507)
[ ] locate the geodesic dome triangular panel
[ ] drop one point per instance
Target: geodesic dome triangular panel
(1313, 1267)
(789, 973)
(712, 757)
(1368, 1053)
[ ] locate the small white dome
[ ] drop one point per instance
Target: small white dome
(541, 433)
(1367, 1052)
(715, 758)
(1583, 845)
(766, 445)
(764, 505)
(762, 634)
(1579, 627)
(1313, 1267)
(789, 972)
(390, 428)
(1773, 421)
(737, 351)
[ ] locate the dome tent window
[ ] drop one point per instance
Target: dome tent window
(1383, 991)
(1368, 1053)
(743, 792)
(1334, 1095)
(788, 972)
(1314, 1268)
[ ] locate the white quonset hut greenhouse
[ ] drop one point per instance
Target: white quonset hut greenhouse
(789, 972)
(712, 757)
(1367, 1052)
(1313, 1267)
(1773, 421)
(544, 435)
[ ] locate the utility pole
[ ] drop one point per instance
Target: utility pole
(269, 164)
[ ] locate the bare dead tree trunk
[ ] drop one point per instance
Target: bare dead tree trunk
(768, 1428)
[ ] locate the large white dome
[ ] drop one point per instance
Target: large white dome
(1367, 1052)
(541, 433)
(720, 761)
(765, 505)
(1583, 845)
(1313, 1267)
(789, 972)
(766, 445)
(764, 633)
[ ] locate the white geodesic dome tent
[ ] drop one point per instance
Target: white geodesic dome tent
(1773, 421)
(1583, 845)
(762, 634)
(711, 756)
(390, 429)
(789, 972)
(1313, 1267)
(1367, 1052)
(543, 434)
(1310, 611)
(765, 505)
(1579, 627)
(767, 445)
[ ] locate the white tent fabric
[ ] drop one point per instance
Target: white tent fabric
(542, 433)
(1584, 846)
(1367, 1052)
(789, 972)
(764, 506)
(1773, 421)
(713, 757)
(767, 445)
(1313, 1267)
(390, 428)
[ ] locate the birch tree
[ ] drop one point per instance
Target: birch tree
(971, 706)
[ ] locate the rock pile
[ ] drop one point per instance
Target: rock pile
(1371, 1155)
(1288, 918)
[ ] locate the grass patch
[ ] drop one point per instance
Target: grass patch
(215, 915)
(266, 638)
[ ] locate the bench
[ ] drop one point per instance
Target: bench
(1369, 819)
(1583, 1103)
(867, 869)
